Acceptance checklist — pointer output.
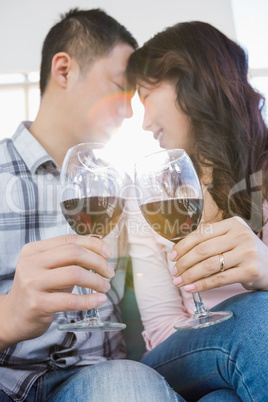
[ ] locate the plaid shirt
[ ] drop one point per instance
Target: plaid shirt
(30, 211)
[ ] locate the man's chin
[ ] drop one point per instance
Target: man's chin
(109, 134)
(102, 136)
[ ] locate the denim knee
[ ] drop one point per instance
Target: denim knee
(116, 380)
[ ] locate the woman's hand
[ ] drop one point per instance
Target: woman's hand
(45, 275)
(219, 254)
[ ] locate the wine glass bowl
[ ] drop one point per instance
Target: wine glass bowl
(91, 188)
(170, 198)
(169, 193)
(92, 204)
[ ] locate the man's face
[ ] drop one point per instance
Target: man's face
(98, 98)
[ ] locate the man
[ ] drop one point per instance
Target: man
(83, 98)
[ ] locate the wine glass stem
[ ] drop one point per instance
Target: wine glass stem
(200, 310)
(92, 314)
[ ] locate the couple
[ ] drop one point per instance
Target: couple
(193, 83)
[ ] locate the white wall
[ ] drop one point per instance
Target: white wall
(25, 23)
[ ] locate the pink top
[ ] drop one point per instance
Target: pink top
(162, 304)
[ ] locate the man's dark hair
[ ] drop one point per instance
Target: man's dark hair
(85, 35)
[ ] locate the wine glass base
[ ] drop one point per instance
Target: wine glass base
(211, 318)
(91, 325)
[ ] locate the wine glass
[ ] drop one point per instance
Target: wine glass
(170, 198)
(92, 205)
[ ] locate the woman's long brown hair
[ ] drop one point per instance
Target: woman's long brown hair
(210, 74)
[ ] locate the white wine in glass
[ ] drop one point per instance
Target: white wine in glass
(171, 200)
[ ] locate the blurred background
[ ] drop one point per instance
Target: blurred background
(24, 25)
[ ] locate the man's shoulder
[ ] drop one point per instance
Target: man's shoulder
(7, 149)
(10, 160)
(5, 142)
(6, 145)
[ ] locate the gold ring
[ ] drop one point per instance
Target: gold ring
(221, 262)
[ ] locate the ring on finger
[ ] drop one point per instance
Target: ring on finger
(221, 262)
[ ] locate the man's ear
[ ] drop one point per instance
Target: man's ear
(60, 67)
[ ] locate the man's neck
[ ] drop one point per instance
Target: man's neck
(53, 136)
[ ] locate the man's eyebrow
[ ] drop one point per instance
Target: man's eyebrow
(121, 73)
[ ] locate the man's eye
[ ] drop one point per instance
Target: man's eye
(120, 87)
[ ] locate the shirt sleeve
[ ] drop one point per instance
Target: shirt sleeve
(160, 302)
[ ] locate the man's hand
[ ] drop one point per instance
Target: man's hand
(45, 275)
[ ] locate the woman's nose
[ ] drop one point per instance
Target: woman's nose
(147, 122)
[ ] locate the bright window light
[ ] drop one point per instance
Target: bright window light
(252, 32)
(34, 101)
(12, 78)
(250, 18)
(34, 76)
(12, 102)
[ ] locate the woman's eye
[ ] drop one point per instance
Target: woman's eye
(143, 95)
(143, 98)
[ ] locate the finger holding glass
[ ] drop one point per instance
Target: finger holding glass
(214, 256)
(171, 200)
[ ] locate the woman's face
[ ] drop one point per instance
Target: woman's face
(170, 126)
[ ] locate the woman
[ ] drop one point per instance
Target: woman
(193, 82)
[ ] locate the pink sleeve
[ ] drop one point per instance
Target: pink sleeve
(265, 221)
(159, 301)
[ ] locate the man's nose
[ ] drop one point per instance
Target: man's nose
(125, 107)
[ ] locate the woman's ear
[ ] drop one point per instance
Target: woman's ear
(60, 67)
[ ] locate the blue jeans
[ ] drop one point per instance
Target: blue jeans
(111, 381)
(224, 362)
